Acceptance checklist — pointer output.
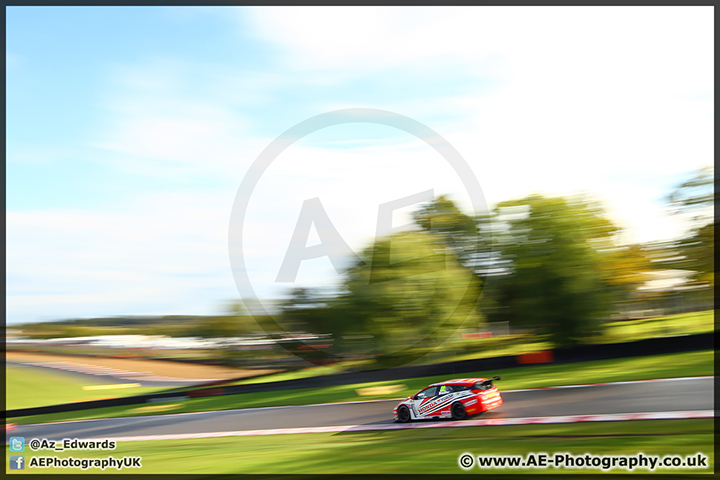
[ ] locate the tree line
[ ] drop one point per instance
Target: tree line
(555, 265)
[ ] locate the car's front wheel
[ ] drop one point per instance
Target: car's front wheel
(458, 411)
(403, 414)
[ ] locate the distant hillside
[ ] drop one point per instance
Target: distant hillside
(170, 325)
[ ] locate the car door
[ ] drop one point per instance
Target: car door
(421, 401)
(445, 396)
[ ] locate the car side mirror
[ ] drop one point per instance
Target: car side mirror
(415, 397)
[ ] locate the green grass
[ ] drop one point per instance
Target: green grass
(35, 387)
(339, 367)
(415, 451)
(485, 348)
(613, 332)
(656, 366)
(681, 324)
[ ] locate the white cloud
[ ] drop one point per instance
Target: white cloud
(622, 45)
(174, 138)
(582, 98)
(163, 254)
(578, 94)
(182, 119)
(354, 39)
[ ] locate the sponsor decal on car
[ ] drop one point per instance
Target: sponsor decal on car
(433, 405)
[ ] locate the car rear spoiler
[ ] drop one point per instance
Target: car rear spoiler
(488, 381)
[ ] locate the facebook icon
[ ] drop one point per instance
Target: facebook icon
(17, 462)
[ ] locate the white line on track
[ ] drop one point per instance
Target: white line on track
(628, 382)
(405, 426)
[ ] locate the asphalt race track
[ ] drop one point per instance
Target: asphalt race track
(634, 397)
(95, 379)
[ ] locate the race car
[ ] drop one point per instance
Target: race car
(455, 399)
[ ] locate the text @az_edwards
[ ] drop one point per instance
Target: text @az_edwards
(37, 444)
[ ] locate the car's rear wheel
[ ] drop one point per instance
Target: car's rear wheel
(403, 414)
(458, 411)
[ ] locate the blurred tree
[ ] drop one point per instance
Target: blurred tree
(699, 252)
(224, 326)
(553, 250)
(410, 295)
(307, 310)
(694, 253)
(695, 198)
(236, 308)
(442, 218)
(626, 269)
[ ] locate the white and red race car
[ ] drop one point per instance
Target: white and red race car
(451, 399)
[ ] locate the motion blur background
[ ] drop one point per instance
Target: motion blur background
(129, 130)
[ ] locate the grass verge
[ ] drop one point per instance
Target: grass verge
(415, 451)
(35, 387)
(612, 332)
(641, 368)
(680, 324)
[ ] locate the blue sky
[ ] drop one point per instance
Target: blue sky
(129, 130)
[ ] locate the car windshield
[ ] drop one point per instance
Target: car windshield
(427, 393)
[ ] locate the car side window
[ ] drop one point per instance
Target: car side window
(427, 393)
(445, 389)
